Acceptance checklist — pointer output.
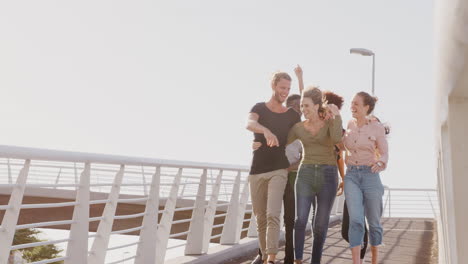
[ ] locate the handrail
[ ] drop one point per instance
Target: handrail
(14, 152)
(77, 178)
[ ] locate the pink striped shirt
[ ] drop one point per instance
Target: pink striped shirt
(365, 145)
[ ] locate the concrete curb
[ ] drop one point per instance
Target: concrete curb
(222, 253)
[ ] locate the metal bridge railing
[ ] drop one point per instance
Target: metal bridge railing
(209, 191)
(413, 203)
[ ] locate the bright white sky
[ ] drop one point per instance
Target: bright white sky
(176, 79)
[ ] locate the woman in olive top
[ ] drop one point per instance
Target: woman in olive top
(317, 179)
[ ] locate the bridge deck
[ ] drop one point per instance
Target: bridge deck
(407, 240)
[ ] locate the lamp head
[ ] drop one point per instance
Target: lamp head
(363, 52)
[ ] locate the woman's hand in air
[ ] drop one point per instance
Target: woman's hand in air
(333, 109)
(298, 71)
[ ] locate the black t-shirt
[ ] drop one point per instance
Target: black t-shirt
(266, 159)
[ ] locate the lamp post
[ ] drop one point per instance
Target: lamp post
(366, 52)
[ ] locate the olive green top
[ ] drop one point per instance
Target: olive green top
(318, 149)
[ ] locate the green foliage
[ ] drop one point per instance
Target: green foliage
(29, 235)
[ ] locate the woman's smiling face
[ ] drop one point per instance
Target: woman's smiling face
(308, 108)
(358, 109)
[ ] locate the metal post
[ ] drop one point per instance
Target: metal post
(146, 251)
(57, 180)
(228, 237)
(197, 223)
(10, 179)
(77, 249)
(335, 207)
(145, 191)
(389, 203)
(210, 212)
(101, 242)
(373, 74)
(252, 226)
(11, 215)
(242, 205)
(165, 225)
(76, 174)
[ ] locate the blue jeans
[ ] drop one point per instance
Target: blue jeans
(315, 185)
(364, 191)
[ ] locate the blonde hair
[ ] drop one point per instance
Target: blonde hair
(277, 76)
(316, 95)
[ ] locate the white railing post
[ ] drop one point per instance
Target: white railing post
(242, 205)
(164, 229)
(77, 249)
(211, 212)
(75, 173)
(101, 242)
(146, 251)
(231, 223)
(145, 191)
(341, 200)
(389, 203)
(57, 180)
(197, 223)
(10, 218)
(334, 209)
(10, 179)
(252, 226)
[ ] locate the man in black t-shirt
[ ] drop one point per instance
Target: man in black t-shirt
(270, 123)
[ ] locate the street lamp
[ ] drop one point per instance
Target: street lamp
(366, 52)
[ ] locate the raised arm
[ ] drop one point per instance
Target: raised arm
(254, 126)
(300, 80)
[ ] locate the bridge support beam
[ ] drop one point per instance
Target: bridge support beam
(10, 219)
(164, 228)
(77, 249)
(146, 251)
(197, 224)
(229, 235)
(101, 242)
(210, 212)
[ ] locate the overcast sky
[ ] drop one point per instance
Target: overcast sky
(176, 79)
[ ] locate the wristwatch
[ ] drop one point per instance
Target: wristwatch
(379, 163)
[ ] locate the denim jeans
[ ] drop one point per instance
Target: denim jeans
(345, 231)
(316, 185)
(364, 191)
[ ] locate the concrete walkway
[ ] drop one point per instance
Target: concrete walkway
(407, 240)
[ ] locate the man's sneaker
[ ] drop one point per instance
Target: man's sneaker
(258, 260)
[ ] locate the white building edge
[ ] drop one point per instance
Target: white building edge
(451, 71)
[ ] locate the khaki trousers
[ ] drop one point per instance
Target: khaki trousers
(267, 191)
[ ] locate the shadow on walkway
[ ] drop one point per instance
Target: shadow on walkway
(406, 240)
